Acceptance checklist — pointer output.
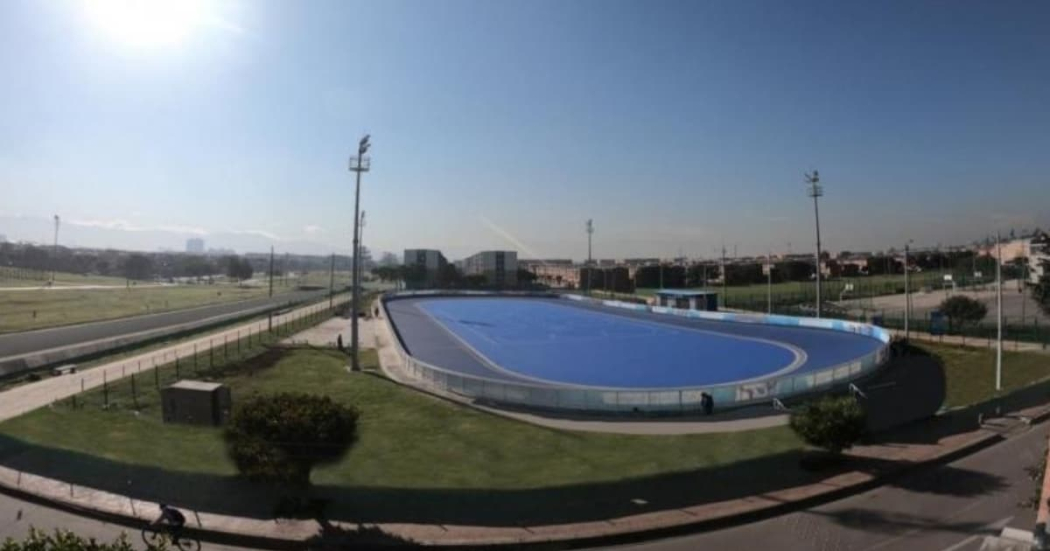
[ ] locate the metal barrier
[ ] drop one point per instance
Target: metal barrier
(552, 396)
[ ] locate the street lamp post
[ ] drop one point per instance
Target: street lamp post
(815, 191)
(358, 164)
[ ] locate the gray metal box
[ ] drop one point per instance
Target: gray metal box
(196, 403)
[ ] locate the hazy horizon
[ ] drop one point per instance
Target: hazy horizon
(676, 126)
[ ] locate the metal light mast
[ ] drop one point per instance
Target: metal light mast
(815, 191)
(358, 164)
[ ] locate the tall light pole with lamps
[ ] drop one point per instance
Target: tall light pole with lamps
(815, 191)
(358, 164)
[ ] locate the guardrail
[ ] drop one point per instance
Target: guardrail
(667, 400)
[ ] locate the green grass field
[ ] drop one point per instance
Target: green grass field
(24, 310)
(970, 371)
(62, 279)
(422, 458)
(740, 295)
(403, 435)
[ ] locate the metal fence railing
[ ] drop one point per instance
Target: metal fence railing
(667, 400)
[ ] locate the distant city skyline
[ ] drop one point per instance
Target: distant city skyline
(676, 126)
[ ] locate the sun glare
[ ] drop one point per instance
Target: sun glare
(147, 23)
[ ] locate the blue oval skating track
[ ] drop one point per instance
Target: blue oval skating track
(562, 342)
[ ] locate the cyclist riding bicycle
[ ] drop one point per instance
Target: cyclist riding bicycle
(173, 519)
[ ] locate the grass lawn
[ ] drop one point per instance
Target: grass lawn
(970, 371)
(9, 278)
(739, 295)
(403, 435)
(422, 459)
(417, 455)
(24, 310)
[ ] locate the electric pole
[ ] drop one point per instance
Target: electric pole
(271, 270)
(590, 232)
(907, 293)
(769, 283)
(815, 191)
(999, 314)
(331, 283)
(54, 253)
(358, 164)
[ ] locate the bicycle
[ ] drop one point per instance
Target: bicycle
(156, 536)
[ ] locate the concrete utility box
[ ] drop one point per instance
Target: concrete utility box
(196, 403)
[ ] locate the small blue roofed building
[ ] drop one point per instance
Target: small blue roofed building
(688, 300)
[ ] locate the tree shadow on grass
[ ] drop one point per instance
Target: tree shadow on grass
(232, 495)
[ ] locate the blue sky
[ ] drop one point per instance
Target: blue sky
(676, 126)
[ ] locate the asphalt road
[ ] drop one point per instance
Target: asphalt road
(951, 507)
(26, 342)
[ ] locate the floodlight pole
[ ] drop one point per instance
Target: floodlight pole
(358, 164)
(360, 245)
(816, 190)
(999, 314)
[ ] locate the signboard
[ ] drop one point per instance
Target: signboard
(947, 277)
(978, 275)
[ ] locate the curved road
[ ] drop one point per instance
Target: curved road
(947, 508)
(27, 342)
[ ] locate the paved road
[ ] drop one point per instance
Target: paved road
(951, 507)
(17, 344)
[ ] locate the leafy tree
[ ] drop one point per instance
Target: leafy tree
(961, 309)
(138, 266)
(238, 268)
(525, 277)
(833, 423)
(63, 540)
(281, 437)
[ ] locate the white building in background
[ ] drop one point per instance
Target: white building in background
(430, 259)
(500, 268)
(195, 245)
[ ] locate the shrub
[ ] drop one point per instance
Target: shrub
(962, 309)
(63, 540)
(832, 423)
(281, 437)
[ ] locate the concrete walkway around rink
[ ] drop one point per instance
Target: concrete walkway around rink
(885, 458)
